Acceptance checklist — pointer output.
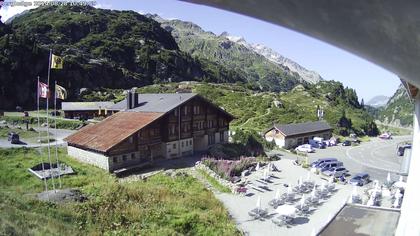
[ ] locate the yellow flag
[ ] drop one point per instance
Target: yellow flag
(56, 62)
(60, 92)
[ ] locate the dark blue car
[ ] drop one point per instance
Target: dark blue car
(322, 161)
(360, 179)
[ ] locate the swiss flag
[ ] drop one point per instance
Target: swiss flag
(43, 90)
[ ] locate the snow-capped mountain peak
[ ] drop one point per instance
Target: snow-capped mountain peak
(275, 57)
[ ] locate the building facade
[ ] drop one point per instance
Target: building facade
(159, 126)
(292, 135)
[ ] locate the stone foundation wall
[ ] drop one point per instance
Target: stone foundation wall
(92, 158)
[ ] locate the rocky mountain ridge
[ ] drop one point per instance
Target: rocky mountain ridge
(275, 57)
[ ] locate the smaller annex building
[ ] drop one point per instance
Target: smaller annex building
(87, 110)
(292, 135)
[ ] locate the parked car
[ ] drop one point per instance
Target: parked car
(329, 165)
(336, 172)
(317, 144)
(401, 149)
(13, 138)
(346, 143)
(322, 161)
(385, 135)
(305, 148)
(360, 179)
(318, 139)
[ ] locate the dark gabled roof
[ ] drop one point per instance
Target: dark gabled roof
(157, 102)
(302, 128)
(85, 106)
(111, 131)
(163, 102)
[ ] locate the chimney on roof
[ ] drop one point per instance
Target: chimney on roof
(132, 99)
(129, 100)
(135, 97)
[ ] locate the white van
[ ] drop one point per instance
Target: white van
(318, 139)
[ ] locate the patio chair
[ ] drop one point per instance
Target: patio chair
(313, 201)
(290, 198)
(356, 199)
(302, 209)
(257, 213)
(331, 187)
(274, 168)
(309, 184)
(282, 220)
(277, 202)
(241, 190)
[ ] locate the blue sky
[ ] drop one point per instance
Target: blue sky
(330, 62)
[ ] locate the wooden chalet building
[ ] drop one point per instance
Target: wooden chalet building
(149, 127)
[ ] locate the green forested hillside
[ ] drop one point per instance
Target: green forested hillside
(399, 109)
(101, 48)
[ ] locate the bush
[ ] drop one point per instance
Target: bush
(61, 124)
(227, 168)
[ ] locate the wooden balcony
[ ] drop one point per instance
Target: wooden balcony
(199, 132)
(186, 118)
(199, 117)
(151, 140)
(186, 135)
(211, 130)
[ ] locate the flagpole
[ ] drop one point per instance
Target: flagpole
(48, 125)
(55, 134)
(39, 135)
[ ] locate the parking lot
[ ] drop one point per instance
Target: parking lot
(376, 157)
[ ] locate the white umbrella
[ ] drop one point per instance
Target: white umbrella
(398, 193)
(277, 197)
(268, 168)
(396, 203)
(313, 193)
(259, 202)
(388, 178)
(286, 210)
(322, 186)
(289, 190)
(400, 184)
(376, 184)
(265, 174)
(331, 180)
(354, 193)
(300, 181)
(371, 200)
(401, 179)
(308, 177)
(302, 201)
(258, 166)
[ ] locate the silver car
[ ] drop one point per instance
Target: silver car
(336, 171)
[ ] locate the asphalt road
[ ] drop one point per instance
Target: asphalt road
(376, 157)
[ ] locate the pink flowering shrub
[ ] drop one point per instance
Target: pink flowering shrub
(228, 168)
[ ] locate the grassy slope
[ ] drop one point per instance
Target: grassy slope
(159, 206)
(23, 133)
